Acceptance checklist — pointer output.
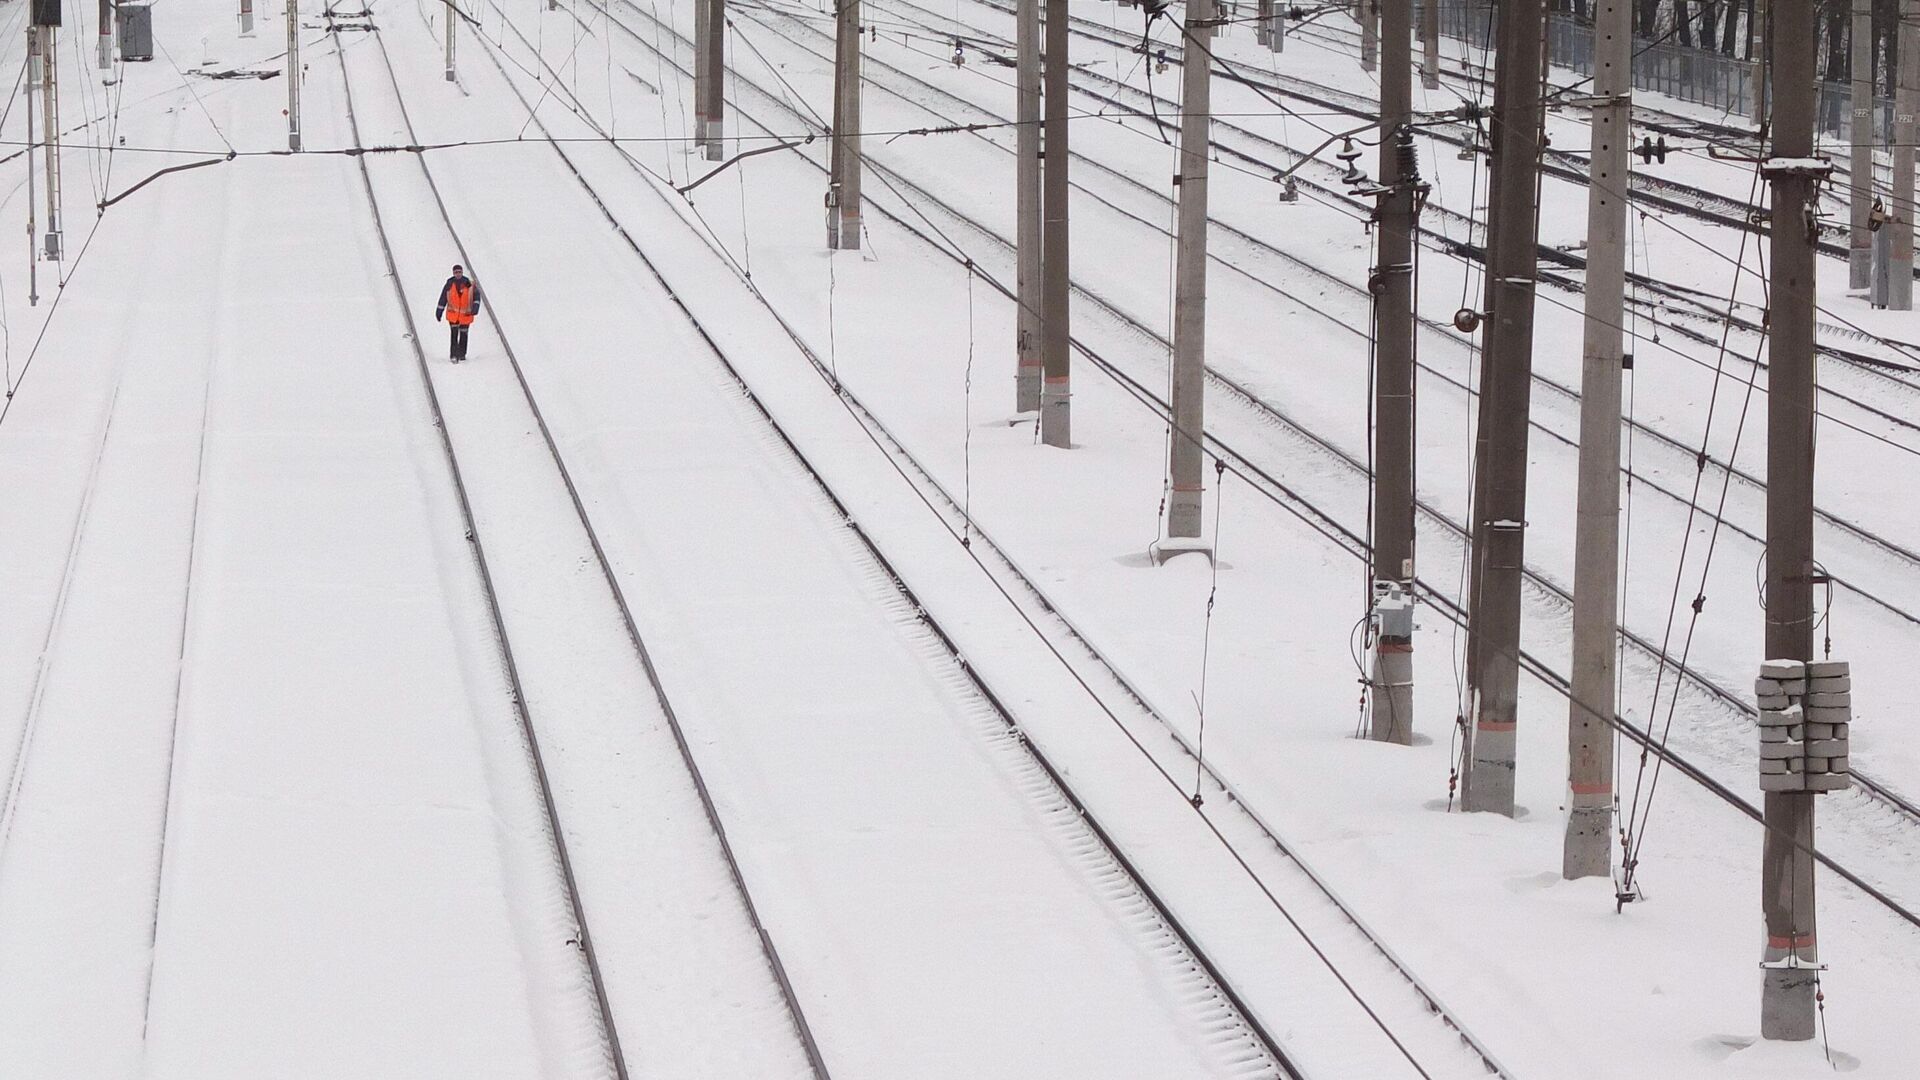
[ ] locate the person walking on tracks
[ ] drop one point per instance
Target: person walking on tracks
(459, 302)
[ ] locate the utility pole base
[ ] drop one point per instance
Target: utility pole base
(1056, 423)
(106, 52)
(1588, 851)
(1786, 1003)
(1183, 515)
(1393, 693)
(1489, 787)
(715, 140)
(246, 24)
(1026, 389)
(1166, 550)
(1900, 287)
(1860, 268)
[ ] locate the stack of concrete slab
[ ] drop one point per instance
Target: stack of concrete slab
(1806, 712)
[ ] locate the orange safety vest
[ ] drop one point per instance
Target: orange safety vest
(460, 304)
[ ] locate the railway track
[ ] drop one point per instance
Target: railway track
(1261, 1042)
(1684, 457)
(1018, 582)
(775, 966)
(1692, 303)
(944, 505)
(1553, 590)
(1265, 480)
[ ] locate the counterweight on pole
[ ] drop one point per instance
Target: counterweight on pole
(1396, 210)
(1790, 954)
(1587, 850)
(1500, 516)
(1026, 380)
(1190, 277)
(1056, 422)
(843, 184)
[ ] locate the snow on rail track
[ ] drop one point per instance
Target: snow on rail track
(692, 975)
(1176, 1007)
(1360, 946)
(1682, 460)
(896, 202)
(268, 822)
(1728, 744)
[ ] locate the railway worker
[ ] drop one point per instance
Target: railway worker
(459, 302)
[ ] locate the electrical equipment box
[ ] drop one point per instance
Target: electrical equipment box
(136, 31)
(46, 12)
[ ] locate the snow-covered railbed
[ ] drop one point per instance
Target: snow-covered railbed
(1718, 737)
(844, 746)
(688, 990)
(1275, 719)
(268, 821)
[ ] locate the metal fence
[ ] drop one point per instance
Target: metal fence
(1678, 71)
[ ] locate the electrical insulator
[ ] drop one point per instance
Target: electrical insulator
(1408, 158)
(959, 54)
(1651, 151)
(1160, 62)
(1350, 154)
(1290, 191)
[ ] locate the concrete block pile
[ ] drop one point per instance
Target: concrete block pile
(1806, 711)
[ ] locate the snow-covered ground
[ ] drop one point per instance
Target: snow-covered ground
(272, 807)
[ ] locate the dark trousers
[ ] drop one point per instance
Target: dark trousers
(458, 348)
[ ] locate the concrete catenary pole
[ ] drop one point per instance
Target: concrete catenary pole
(246, 18)
(1392, 285)
(293, 75)
(700, 74)
(1906, 102)
(105, 56)
(1185, 455)
(452, 18)
(50, 125)
(1026, 379)
(843, 179)
(1758, 83)
(33, 83)
(1056, 418)
(715, 47)
(1368, 12)
(1430, 44)
(1588, 848)
(1507, 372)
(1786, 875)
(1859, 237)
